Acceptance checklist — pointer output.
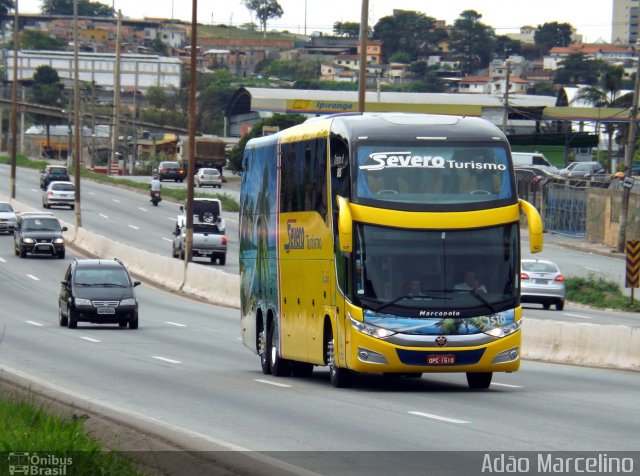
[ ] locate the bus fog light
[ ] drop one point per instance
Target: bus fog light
(507, 356)
(371, 357)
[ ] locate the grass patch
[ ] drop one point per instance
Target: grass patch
(229, 204)
(27, 428)
(599, 293)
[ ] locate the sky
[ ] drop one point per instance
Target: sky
(591, 18)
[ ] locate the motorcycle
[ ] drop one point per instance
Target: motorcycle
(155, 197)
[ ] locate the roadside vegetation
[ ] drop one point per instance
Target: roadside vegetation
(599, 293)
(179, 195)
(25, 427)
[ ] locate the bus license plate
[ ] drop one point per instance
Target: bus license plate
(441, 359)
(106, 310)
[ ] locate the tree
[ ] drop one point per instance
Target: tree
(552, 34)
(472, 42)
(264, 10)
(411, 32)
(47, 91)
(505, 47)
(5, 6)
(86, 8)
(577, 68)
(38, 40)
(607, 95)
(348, 28)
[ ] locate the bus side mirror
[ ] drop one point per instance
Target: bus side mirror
(535, 226)
(345, 225)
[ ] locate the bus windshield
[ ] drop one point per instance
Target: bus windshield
(400, 271)
(433, 174)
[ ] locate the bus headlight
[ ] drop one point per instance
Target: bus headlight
(371, 330)
(504, 330)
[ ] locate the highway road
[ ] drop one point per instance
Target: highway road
(122, 215)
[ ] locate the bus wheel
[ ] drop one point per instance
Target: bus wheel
(340, 378)
(279, 367)
(263, 349)
(479, 380)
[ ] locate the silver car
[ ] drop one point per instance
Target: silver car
(7, 217)
(59, 194)
(542, 282)
(208, 177)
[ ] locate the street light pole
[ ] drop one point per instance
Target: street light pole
(14, 102)
(362, 78)
(628, 158)
(76, 117)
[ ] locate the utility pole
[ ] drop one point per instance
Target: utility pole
(505, 115)
(628, 157)
(76, 117)
(14, 102)
(115, 132)
(188, 242)
(362, 79)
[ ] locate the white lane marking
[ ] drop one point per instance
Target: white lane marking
(143, 209)
(92, 193)
(438, 417)
(167, 239)
(134, 227)
(103, 215)
(591, 269)
(115, 200)
(172, 219)
(33, 277)
(577, 315)
(273, 383)
(164, 359)
(506, 385)
(90, 339)
(34, 323)
(175, 324)
(2, 260)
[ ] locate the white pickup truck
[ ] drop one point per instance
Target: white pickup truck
(208, 242)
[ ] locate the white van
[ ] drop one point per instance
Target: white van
(526, 159)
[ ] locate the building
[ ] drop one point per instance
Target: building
(625, 26)
(139, 72)
(606, 52)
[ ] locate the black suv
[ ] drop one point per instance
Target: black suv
(170, 170)
(38, 234)
(99, 291)
(53, 173)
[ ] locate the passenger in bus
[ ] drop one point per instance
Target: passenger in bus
(471, 283)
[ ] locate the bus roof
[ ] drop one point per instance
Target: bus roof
(388, 126)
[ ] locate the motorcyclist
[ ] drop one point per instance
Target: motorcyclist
(154, 186)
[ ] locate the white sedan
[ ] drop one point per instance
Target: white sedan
(7, 217)
(59, 194)
(208, 176)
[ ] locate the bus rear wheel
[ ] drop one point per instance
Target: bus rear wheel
(279, 366)
(340, 378)
(479, 380)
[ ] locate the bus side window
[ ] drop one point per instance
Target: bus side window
(340, 177)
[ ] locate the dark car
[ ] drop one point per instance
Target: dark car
(582, 170)
(53, 173)
(99, 291)
(38, 234)
(170, 171)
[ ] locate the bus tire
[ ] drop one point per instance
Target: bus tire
(340, 378)
(279, 367)
(479, 380)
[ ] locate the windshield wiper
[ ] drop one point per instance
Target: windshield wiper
(110, 284)
(83, 284)
(480, 298)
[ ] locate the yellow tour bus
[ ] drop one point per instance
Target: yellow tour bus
(383, 243)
